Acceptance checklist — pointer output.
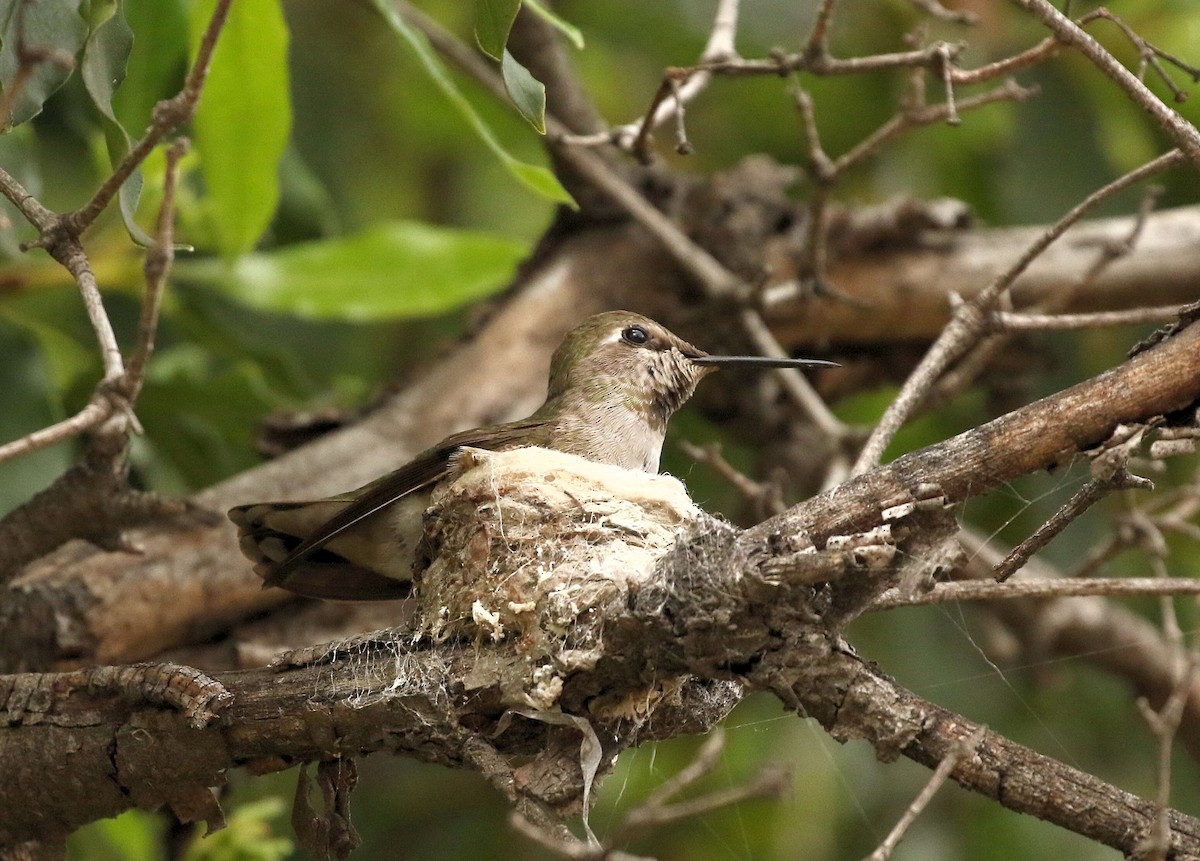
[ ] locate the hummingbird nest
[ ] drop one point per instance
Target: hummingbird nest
(535, 548)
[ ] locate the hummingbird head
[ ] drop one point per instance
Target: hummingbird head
(619, 359)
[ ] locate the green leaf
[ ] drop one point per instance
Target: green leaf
(242, 124)
(539, 179)
(567, 29)
(493, 20)
(247, 837)
(54, 25)
(395, 270)
(526, 91)
(105, 55)
(155, 66)
(103, 69)
(135, 835)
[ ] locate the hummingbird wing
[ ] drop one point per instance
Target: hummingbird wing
(337, 547)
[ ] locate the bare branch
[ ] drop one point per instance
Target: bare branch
(965, 748)
(1020, 588)
(1182, 132)
(764, 496)
(818, 39)
(168, 115)
(1044, 50)
(156, 269)
(59, 236)
(935, 9)
(1109, 474)
(97, 411)
(1148, 54)
(795, 384)
(681, 86)
(1164, 723)
(969, 322)
(1021, 322)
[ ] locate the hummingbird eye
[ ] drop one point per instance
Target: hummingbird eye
(635, 335)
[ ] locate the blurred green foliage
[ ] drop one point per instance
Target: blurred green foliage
(348, 195)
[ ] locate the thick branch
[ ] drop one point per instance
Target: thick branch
(83, 605)
(1043, 434)
(78, 604)
(855, 701)
(390, 694)
(907, 289)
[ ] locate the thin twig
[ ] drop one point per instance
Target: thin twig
(826, 171)
(1010, 321)
(818, 39)
(965, 748)
(70, 254)
(59, 236)
(706, 759)
(87, 418)
(814, 58)
(812, 262)
(969, 321)
(766, 497)
(770, 782)
(1185, 135)
(974, 364)
(683, 87)
(799, 390)
(683, 146)
(1017, 589)
(936, 10)
(656, 810)
(946, 69)
(717, 281)
(819, 164)
(1083, 499)
(568, 846)
(156, 268)
(1148, 54)
(914, 116)
(28, 205)
(167, 116)
(1040, 52)
(929, 57)
(1165, 721)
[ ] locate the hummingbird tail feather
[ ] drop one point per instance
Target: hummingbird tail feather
(269, 531)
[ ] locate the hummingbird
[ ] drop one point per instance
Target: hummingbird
(615, 381)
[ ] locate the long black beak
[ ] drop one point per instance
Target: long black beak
(762, 362)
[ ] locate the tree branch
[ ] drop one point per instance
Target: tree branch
(1182, 132)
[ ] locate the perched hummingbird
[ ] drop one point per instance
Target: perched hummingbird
(614, 382)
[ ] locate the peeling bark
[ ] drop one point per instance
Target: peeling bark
(79, 606)
(761, 608)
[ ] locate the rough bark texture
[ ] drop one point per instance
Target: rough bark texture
(1164, 381)
(761, 607)
(79, 605)
(907, 288)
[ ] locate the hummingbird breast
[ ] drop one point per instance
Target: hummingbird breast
(620, 417)
(610, 433)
